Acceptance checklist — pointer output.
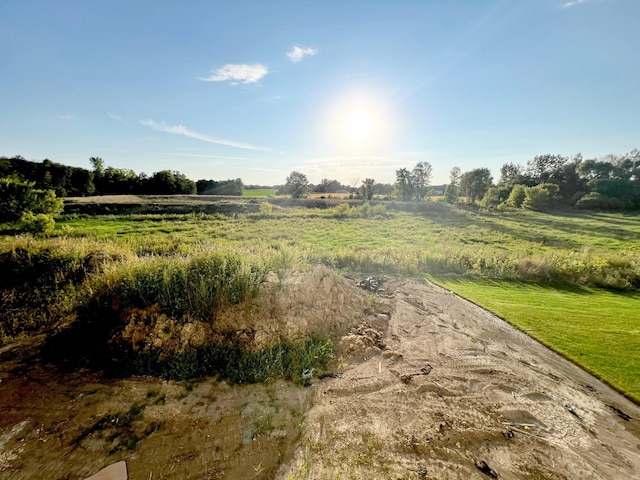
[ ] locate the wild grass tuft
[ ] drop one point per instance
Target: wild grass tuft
(185, 288)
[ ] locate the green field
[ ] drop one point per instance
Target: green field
(571, 280)
(259, 192)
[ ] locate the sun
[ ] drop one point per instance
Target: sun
(358, 125)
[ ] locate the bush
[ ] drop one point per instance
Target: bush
(517, 196)
(39, 223)
(541, 197)
(265, 209)
(597, 201)
(33, 209)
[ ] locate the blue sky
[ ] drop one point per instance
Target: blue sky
(256, 89)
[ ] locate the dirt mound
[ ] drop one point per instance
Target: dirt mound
(295, 307)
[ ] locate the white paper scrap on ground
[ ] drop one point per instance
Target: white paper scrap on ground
(117, 471)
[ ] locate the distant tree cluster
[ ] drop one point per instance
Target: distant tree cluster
(413, 184)
(222, 187)
(68, 181)
(554, 181)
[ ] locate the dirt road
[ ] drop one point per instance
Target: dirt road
(458, 393)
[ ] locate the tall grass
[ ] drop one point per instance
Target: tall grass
(185, 287)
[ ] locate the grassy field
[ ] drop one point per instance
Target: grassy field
(571, 280)
(259, 192)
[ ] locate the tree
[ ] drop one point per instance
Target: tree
(368, 188)
(328, 186)
(98, 166)
(543, 167)
(517, 196)
(475, 183)
(296, 185)
(21, 202)
(421, 176)
(404, 184)
(510, 174)
(452, 190)
(540, 197)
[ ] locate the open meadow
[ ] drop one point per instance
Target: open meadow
(142, 314)
(570, 280)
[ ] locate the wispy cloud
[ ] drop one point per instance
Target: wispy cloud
(200, 155)
(573, 3)
(117, 118)
(298, 53)
(185, 132)
(67, 117)
(238, 73)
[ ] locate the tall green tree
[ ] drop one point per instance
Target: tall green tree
(421, 178)
(404, 184)
(296, 185)
(542, 168)
(368, 188)
(452, 190)
(475, 183)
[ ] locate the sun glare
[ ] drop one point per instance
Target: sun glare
(358, 126)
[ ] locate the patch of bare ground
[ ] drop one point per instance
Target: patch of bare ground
(424, 385)
(458, 393)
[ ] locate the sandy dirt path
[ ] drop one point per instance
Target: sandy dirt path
(459, 393)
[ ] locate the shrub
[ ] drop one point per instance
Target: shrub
(517, 196)
(541, 197)
(265, 209)
(38, 223)
(597, 201)
(33, 209)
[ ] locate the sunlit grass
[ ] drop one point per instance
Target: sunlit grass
(259, 192)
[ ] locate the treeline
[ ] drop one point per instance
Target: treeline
(551, 181)
(67, 181)
(220, 187)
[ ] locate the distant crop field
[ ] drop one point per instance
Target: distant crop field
(259, 192)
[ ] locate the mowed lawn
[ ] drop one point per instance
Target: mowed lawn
(597, 329)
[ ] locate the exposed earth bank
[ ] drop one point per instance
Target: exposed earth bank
(424, 385)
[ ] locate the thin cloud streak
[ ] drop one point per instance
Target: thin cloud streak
(243, 73)
(573, 3)
(117, 118)
(67, 117)
(199, 155)
(298, 53)
(185, 132)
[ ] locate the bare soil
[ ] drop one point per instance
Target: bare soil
(425, 385)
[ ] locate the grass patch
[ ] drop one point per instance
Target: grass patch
(597, 329)
(259, 192)
(235, 364)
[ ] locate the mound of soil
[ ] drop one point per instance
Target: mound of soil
(301, 304)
